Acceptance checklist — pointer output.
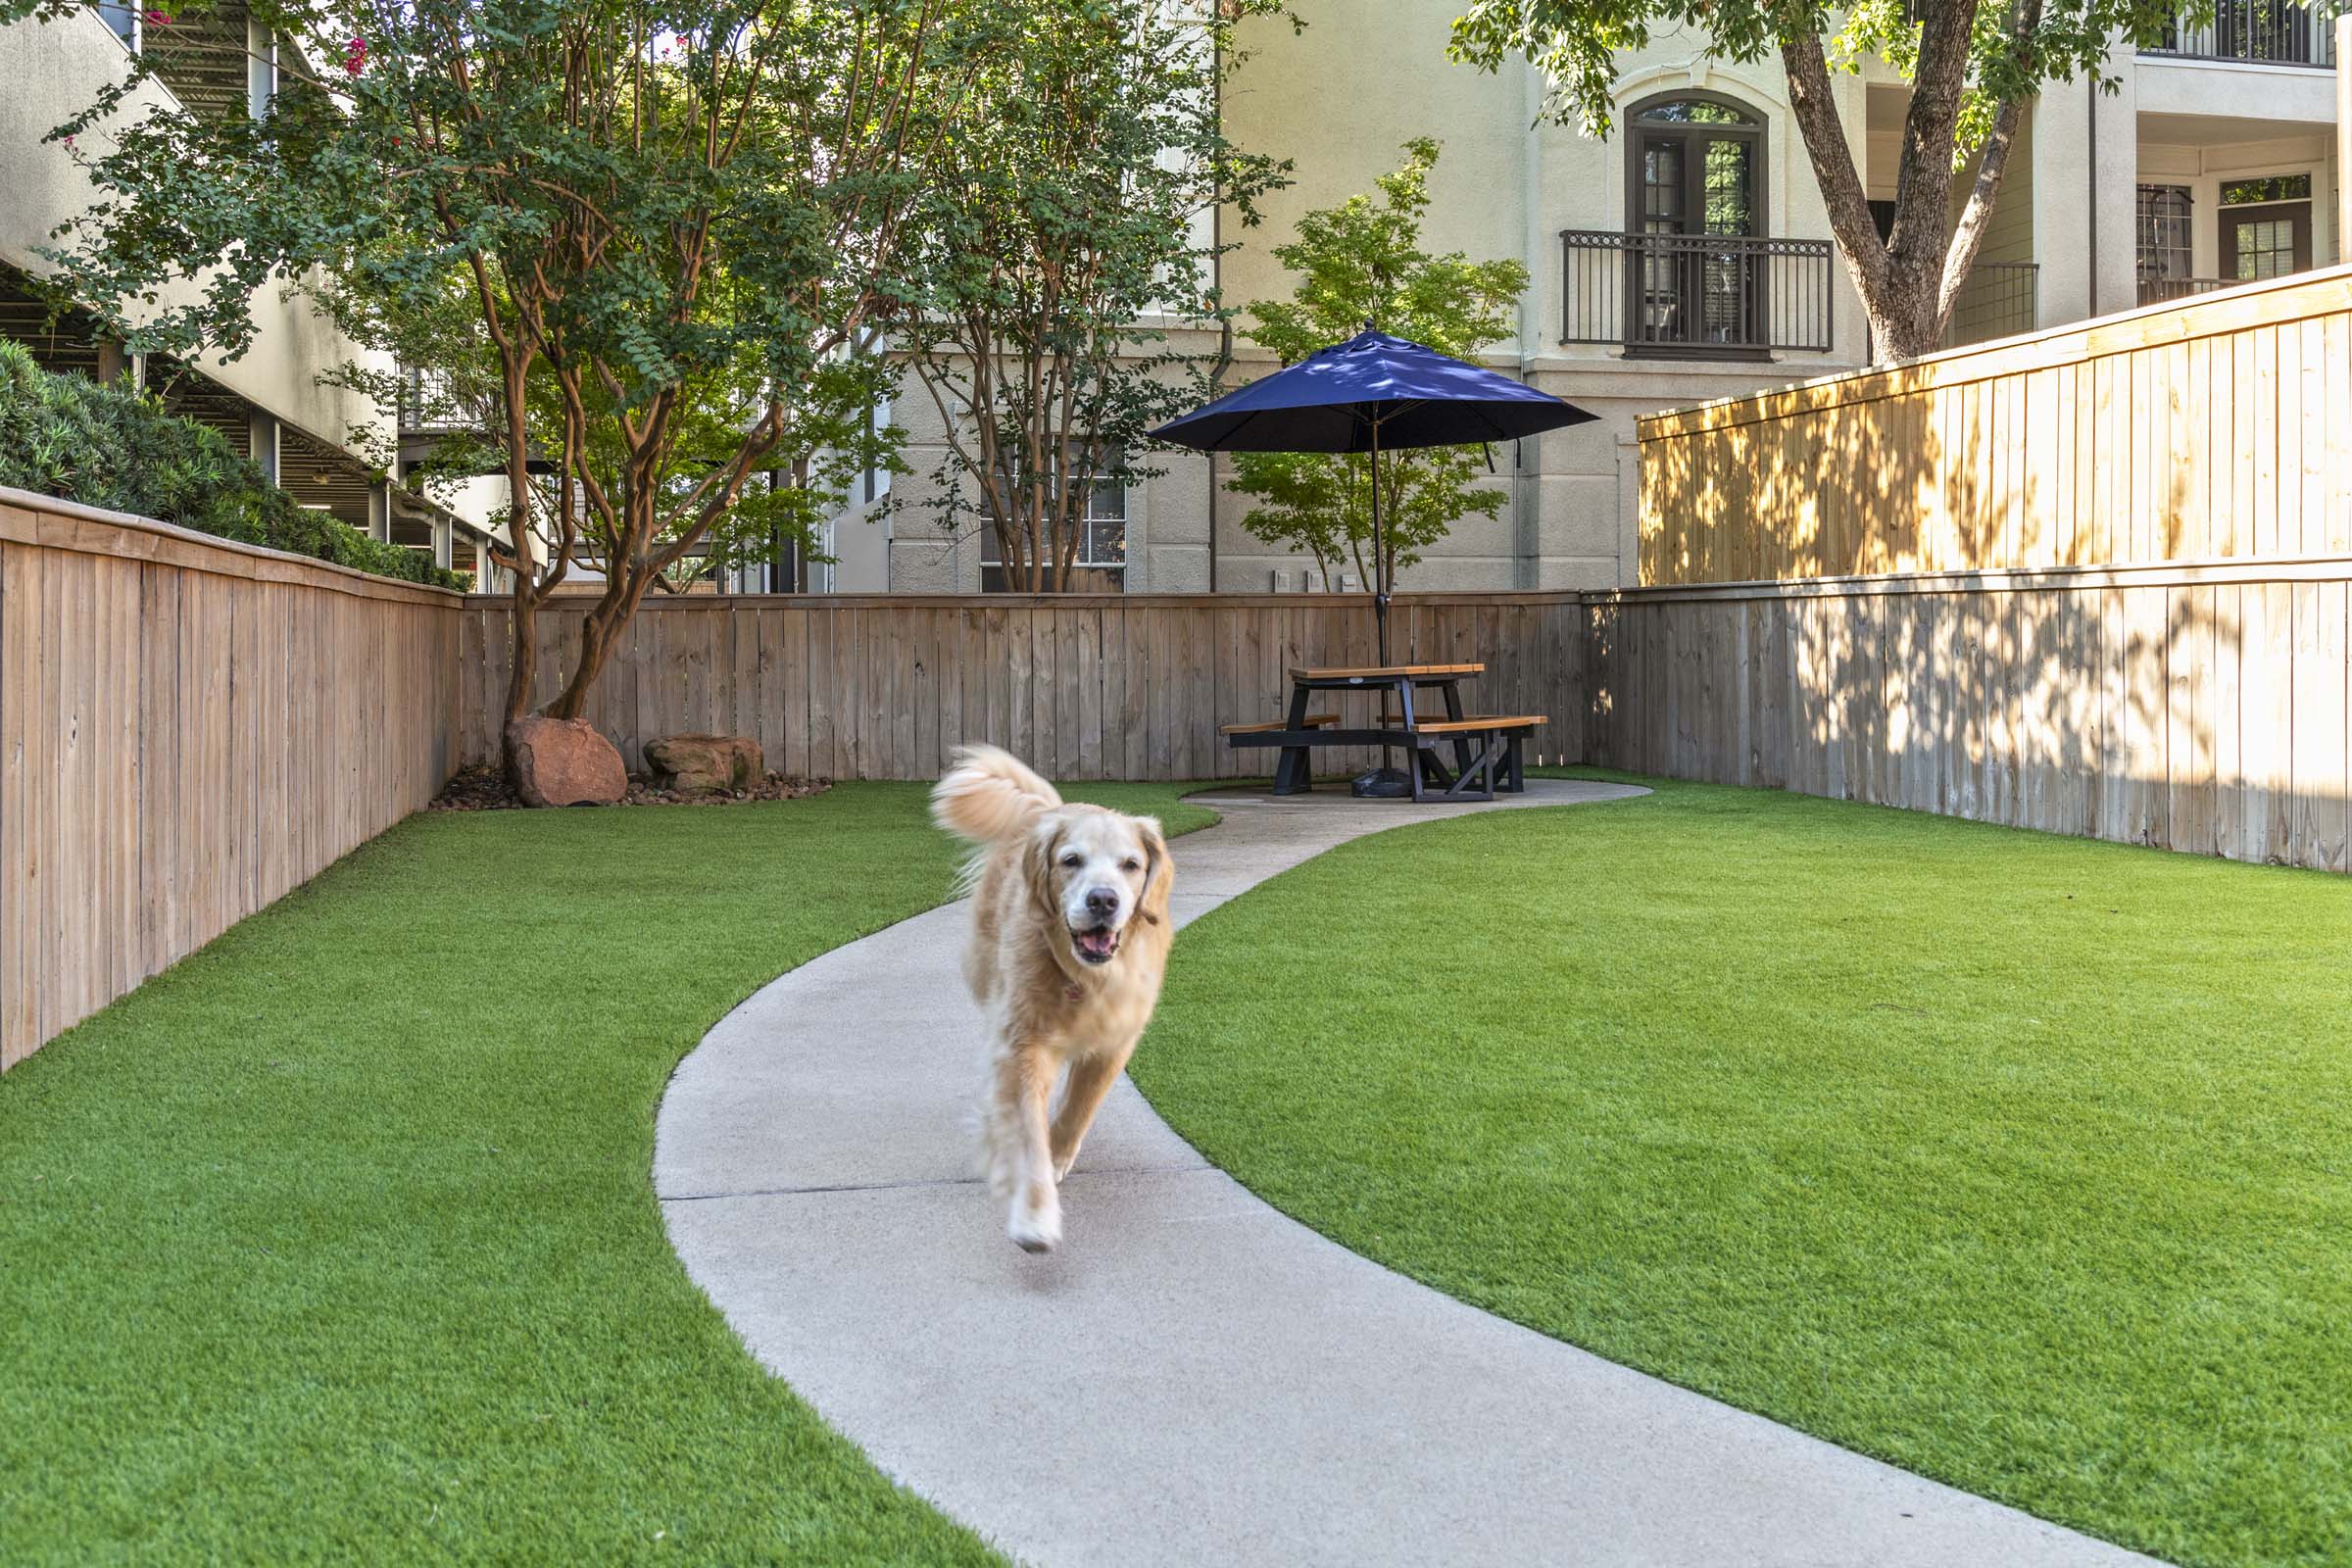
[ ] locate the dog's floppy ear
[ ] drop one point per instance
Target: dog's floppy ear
(1037, 863)
(1159, 872)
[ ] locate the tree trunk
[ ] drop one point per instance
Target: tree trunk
(522, 615)
(600, 631)
(1910, 282)
(1901, 278)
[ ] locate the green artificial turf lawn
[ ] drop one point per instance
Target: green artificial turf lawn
(337, 1242)
(2023, 1163)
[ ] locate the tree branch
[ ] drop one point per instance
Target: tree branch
(1811, 101)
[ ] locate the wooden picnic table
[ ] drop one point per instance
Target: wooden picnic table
(1486, 745)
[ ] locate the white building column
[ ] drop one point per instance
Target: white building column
(445, 542)
(2343, 138)
(379, 510)
(2085, 197)
(261, 67)
(260, 443)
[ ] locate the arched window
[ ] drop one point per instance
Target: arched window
(1695, 198)
(1698, 165)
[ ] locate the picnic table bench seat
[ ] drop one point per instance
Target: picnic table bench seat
(1379, 673)
(1486, 751)
(1310, 721)
(1469, 725)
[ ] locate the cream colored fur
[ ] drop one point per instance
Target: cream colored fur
(1053, 1017)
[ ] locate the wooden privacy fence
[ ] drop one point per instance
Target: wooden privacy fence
(2190, 708)
(188, 728)
(1083, 686)
(2096, 581)
(2218, 429)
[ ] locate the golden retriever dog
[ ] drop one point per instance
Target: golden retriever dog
(1071, 936)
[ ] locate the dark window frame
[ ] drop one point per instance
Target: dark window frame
(1753, 127)
(2159, 209)
(1640, 128)
(2273, 203)
(2296, 214)
(1093, 564)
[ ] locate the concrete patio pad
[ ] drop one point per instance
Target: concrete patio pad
(1193, 1378)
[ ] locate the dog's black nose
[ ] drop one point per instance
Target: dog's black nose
(1104, 901)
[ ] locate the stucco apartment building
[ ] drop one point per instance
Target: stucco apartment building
(270, 404)
(2215, 162)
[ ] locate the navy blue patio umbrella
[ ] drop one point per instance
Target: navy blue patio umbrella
(1370, 393)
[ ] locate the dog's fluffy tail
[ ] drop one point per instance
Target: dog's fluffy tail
(989, 795)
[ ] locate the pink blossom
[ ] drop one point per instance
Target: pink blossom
(355, 57)
(157, 19)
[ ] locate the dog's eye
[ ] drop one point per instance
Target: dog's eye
(1071, 862)
(1131, 863)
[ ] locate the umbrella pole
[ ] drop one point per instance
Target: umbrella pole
(1380, 559)
(1380, 587)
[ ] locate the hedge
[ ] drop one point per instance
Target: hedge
(107, 445)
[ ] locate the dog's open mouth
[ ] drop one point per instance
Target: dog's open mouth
(1099, 945)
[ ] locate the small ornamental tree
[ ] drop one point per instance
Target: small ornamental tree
(1362, 262)
(1973, 68)
(1061, 236)
(639, 239)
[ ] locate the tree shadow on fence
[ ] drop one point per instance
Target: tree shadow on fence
(2182, 706)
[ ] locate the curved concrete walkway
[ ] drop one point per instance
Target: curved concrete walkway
(1195, 1379)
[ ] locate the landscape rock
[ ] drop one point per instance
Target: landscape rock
(564, 762)
(697, 763)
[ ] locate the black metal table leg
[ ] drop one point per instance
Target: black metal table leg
(1453, 711)
(1481, 772)
(1412, 739)
(1292, 775)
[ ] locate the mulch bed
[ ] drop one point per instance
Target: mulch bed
(482, 787)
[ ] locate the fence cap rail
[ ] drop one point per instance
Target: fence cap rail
(561, 602)
(2320, 292)
(29, 517)
(1994, 580)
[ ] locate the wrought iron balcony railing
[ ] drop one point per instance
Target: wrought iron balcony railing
(1674, 295)
(2277, 33)
(428, 405)
(1998, 300)
(2164, 290)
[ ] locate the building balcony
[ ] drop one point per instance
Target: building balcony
(1697, 296)
(2271, 32)
(430, 406)
(2167, 290)
(2000, 299)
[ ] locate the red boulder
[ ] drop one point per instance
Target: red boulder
(564, 762)
(696, 763)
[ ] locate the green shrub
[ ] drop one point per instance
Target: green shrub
(106, 445)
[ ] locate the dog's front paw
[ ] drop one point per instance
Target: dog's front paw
(1063, 1164)
(1034, 1226)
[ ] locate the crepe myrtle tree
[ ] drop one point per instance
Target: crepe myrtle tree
(1974, 66)
(1362, 262)
(1063, 229)
(639, 238)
